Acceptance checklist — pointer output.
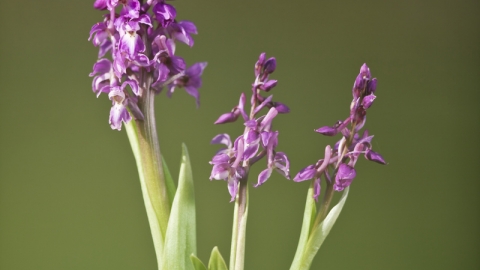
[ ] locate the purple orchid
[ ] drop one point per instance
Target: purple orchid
(164, 13)
(131, 9)
(101, 37)
(118, 112)
(182, 31)
(227, 163)
(121, 101)
(130, 39)
(165, 63)
(257, 141)
(123, 62)
(103, 67)
(235, 113)
(140, 48)
(316, 171)
(344, 177)
(339, 162)
(190, 80)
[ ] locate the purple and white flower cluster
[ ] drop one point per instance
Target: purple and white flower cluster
(258, 140)
(342, 158)
(142, 55)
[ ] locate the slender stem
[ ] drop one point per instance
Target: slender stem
(233, 244)
(237, 251)
(237, 248)
(327, 199)
(148, 130)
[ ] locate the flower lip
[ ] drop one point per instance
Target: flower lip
(344, 177)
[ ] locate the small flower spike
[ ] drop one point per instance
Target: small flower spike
(258, 139)
(339, 163)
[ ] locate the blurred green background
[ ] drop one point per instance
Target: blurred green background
(69, 191)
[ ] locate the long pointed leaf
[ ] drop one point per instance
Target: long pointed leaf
(216, 261)
(168, 181)
(181, 240)
(197, 263)
(319, 233)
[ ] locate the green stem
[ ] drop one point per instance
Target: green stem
(144, 142)
(324, 207)
(240, 214)
(237, 250)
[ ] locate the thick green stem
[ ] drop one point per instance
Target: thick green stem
(144, 141)
(237, 250)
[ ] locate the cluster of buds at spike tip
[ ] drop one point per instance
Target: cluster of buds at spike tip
(338, 164)
(258, 140)
(141, 42)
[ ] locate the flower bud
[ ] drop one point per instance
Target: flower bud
(270, 65)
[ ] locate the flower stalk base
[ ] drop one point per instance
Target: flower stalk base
(144, 142)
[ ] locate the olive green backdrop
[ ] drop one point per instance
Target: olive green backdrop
(69, 192)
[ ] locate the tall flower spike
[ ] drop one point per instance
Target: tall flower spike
(139, 44)
(136, 49)
(340, 161)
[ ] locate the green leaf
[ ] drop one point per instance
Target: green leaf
(180, 240)
(318, 234)
(308, 221)
(216, 261)
(197, 263)
(168, 181)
